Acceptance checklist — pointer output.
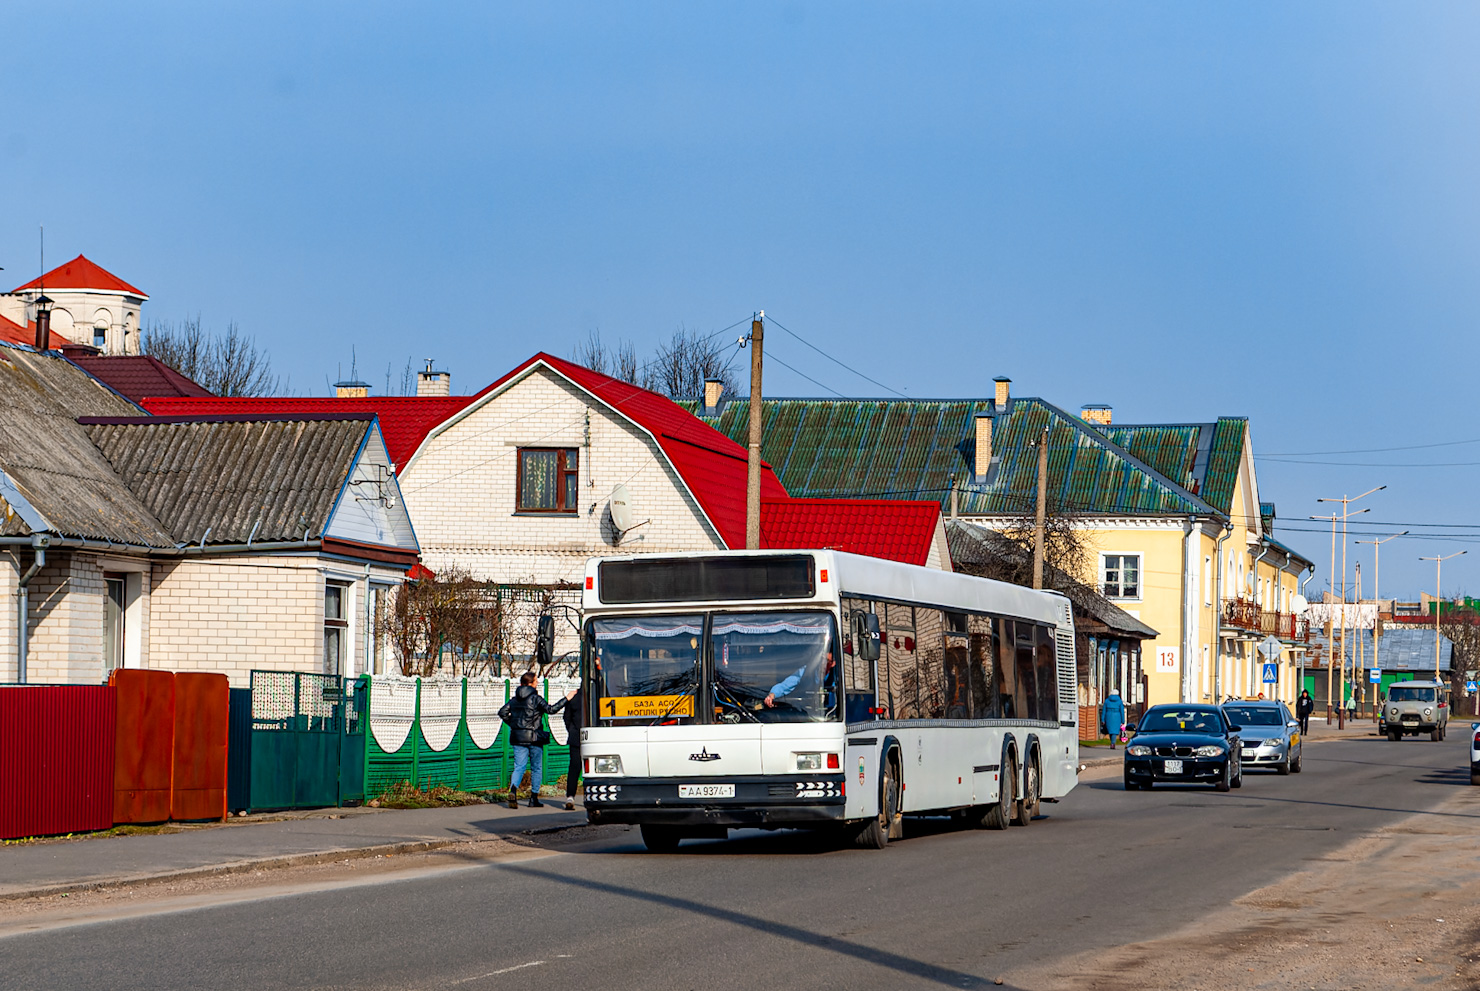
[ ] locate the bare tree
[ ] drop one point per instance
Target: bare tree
(228, 364)
(1067, 552)
(1460, 624)
(619, 362)
(679, 368)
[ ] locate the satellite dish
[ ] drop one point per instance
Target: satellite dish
(621, 509)
(1298, 604)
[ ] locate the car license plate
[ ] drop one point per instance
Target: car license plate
(1249, 753)
(706, 791)
(1172, 767)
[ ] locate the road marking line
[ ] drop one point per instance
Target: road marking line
(495, 973)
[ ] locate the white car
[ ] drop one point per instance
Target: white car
(1475, 753)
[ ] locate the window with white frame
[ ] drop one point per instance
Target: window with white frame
(379, 633)
(1121, 576)
(336, 627)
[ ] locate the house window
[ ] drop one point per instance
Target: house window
(336, 628)
(380, 617)
(548, 480)
(1122, 576)
(113, 616)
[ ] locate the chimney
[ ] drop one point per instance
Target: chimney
(983, 459)
(714, 389)
(1097, 413)
(430, 383)
(352, 390)
(1003, 391)
(43, 322)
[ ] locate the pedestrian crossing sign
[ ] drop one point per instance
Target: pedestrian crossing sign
(1470, 688)
(1271, 673)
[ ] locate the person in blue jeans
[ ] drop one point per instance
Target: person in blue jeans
(525, 714)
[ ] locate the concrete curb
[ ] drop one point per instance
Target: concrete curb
(271, 863)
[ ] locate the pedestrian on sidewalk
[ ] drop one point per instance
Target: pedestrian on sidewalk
(1304, 706)
(1351, 708)
(527, 735)
(575, 718)
(1112, 715)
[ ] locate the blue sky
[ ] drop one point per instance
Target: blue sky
(1183, 210)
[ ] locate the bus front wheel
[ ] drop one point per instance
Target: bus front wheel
(874, 834)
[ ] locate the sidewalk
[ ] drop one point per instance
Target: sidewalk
(247, 844)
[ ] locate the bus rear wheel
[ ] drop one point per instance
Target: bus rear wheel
(874, 834)
(660, 839)
(1028, 805)
(999, 813)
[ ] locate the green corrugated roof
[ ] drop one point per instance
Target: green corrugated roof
(1204, 457)
(909, 449)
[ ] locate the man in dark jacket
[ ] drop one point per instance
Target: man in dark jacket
(575, 718)
(1304, 706)
(524, 713)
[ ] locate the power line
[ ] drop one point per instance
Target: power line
(835, 361)
(1368, 464)
(772, 357)
(1372, 450)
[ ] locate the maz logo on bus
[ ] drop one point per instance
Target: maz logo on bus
(704, 755)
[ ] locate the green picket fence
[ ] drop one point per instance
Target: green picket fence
(461, 763)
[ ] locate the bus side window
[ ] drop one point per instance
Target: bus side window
(930, 663)
(984, 679)
(858, 674)
(898, 679)
(1007, 682)
(1046, 667)
(1025, 694)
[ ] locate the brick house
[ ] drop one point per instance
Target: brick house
(199, 543)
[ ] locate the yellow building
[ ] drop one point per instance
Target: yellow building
(1170, 514)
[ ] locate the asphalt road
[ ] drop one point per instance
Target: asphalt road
(940, 908)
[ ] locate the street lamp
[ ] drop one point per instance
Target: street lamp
(1377, 620)
(1438, 599)
(1346, 513)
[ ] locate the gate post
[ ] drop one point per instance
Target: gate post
(416, 739)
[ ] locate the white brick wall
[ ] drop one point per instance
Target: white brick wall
(10, 570)
(460, 490)
(233, 615)
(66, 619)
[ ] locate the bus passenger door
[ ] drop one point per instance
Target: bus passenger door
(860, 656)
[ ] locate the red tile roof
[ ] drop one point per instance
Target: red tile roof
(81, 273)
(710, 464)
(405, 421)
(14, 333)
(895, 530)
(135, 376)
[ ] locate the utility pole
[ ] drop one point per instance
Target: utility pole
(1439, 601)
(1330, 641)
(1377, 599)
(1041, 514)
(753, 464)
(1346, 513)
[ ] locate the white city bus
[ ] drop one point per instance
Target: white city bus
(816, 689)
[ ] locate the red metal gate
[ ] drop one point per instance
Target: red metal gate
(56, 759)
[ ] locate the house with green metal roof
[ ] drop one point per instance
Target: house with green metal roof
(1171, 513)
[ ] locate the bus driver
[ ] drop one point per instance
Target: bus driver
(789, 684)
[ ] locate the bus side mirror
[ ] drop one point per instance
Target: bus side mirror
(866, 635)
(544, 644)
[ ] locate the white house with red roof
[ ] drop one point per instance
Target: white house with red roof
(90, 306)
(516, 483)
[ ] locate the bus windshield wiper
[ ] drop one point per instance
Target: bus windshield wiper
(689, 688)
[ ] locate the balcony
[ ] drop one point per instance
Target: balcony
(1245, 615)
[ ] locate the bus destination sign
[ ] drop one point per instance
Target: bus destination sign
(646, 706)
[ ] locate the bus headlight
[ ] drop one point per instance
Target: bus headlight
(809, 762)
(606, 765)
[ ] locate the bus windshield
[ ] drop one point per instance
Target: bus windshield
(647, 667)
(773, 667)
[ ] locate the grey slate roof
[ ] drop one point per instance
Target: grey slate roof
(974, 547)
(51, 461)
(1404, 648)
(233, 479)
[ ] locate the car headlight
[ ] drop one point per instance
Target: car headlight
(809, 762)
(606, 765)
(1209, 751)
(1393, 711)
(1138, 750)
(1428, 712)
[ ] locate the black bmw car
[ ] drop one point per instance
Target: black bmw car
(1184, 744)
